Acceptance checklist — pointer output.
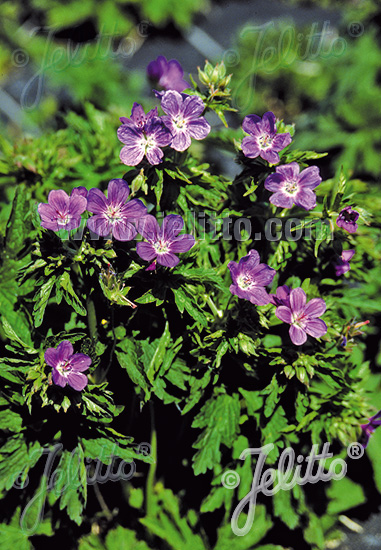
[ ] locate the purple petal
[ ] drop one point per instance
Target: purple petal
(172, 79)
(284, 314)
(146, 251)
(315, 327)
(131, 155)
(250, 125)
(258, 296)
(72, 223)
(310, 177)
(268, 123)
(172, 103)
(199, 129)
(157, 130)
(234, 271)
(263, 274)
(148, 227)
(100, 225)
(167, 259)
(297, 335)
(281, 141)
(297, 300)
(64, 350)
(273, 182)
(347, 255)
(171, 226)
(117, 191)
(249, 262)
(250, 147)
(80, 362)
(96, 201)
(182, 244)
(193, 107)
(271, 156)
(281, 199)
(82, 191)
(58, 379)
(181, 140)
(51, 357)
(133, 210)
(130, 135)
(59, 200)
(315, 308)
(138, 115)
(124, 231)
(77, 380)
(48, 216)
(305, 198)
(289, 171)
(77, 205)
(154, 155)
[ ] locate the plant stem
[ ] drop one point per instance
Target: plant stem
(92, 318)
(152, 469)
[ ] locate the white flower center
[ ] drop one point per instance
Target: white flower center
(179, 121)
(64, 368)
(161, 247)
(244, 281)
(265, 141)
(113, 213)
(291, 187)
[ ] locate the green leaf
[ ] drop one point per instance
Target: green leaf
(41, 299)
(70, 295)
(219, 419)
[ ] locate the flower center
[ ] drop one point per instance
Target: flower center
(64, 368)
(179, 122)
(63, 218)
(349, 216)
(161, 247)
(244, 281)
(113, 213)
(265, 141)
(291, 187)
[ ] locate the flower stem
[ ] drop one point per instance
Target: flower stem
(152, 469)
(92, 318)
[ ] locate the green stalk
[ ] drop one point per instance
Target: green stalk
(152, 469)
(92, 318)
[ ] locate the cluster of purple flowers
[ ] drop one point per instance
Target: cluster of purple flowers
(114, 215)
(288, 185)
(250, 277)
(145, 134)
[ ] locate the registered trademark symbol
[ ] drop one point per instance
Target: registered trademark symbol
(355, 29)
(355, 450)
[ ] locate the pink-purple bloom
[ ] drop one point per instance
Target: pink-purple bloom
(263, 141)
(62, 211)
(68, 366)
(368, 429)
(341, 264)
(250, 277)
(281, 296)
(167, 74)
(302, 316)
(290, 186)
(183, 118)
(163, 243)
(112, 214)
(347, 219)
(143, 134)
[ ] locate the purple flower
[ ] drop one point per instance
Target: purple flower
(291, 187)
(303, 317)
(112, 214)
(250, 277)
(368, 429)
(163, 242)
(62, 211)
(263, 140)
(183, 118)
(341, 265)
(282, 296)
(142, 134)
(167, 74)
(68, 366)
(347, 219)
